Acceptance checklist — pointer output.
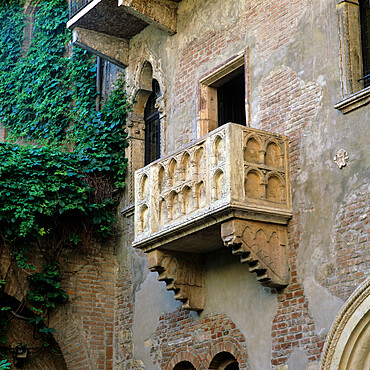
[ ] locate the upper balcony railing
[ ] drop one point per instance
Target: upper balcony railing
(76, 5)
(233, 172)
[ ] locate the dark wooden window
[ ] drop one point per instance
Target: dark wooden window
(231, 99)
(365, 36)
(152, 126)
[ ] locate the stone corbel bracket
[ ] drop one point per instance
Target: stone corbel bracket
(263, 246)
(183, 273)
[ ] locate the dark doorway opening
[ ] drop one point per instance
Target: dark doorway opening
(231, 98)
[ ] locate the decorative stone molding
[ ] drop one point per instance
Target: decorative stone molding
(147, 69)
(347, 345)
(354, 101)
(262, 246)
(183, 274)
(341, 158)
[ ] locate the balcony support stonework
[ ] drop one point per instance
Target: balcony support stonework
(262, 246)
(183, 273)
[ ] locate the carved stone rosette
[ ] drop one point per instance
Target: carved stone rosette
(262, 246)
(183, 274)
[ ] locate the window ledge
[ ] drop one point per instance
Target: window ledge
(354, 101)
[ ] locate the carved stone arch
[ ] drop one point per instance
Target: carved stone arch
(172, 169)
(183, 355)
(174, 206)
(147, 70)
(161, 104)
(143, 186)
(162, 178)
(347, 345)
(218, 184)
(163, 211)
(143, 88)
(218, 149)
(275, 187)
(254, 153)
(269, 155)
(185, 166)
(254, 183)
(149, 57)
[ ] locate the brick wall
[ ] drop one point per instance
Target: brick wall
(90, 284)
(273, 22)
(193, 57)
(19, 331)
(179, 337)
(351, 234)
(287, 106)
(84, 327)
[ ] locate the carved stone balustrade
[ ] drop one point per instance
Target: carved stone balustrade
(229, 188)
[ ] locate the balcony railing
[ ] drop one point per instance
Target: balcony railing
(76, 5)
(233, 172)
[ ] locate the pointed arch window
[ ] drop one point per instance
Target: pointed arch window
(152, 126)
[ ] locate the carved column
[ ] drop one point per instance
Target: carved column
(263, 246)
(184, 274)
(135, 154)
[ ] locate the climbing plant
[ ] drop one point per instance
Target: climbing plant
(62, 165)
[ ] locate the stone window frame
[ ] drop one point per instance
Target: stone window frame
(207, 94)
(147, 70)
(354, 95)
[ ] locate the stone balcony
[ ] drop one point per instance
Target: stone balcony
(229, 188)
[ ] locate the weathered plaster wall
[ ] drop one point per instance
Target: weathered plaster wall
(233, 290)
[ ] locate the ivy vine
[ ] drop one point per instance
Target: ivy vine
(62, 166)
